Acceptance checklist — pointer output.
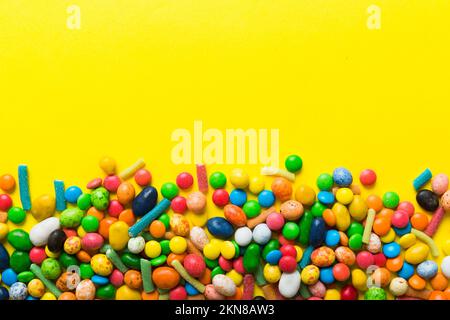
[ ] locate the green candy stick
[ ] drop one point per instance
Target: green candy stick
(115, 259)
(185, 275)
(146, 271)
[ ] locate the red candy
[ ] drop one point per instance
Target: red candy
(379, 259)
(143, 177)
(275, 221)
(284, 241)
(364, 259)
(111, 183)
(368, 177)
(116, 278)
(5, 202)
(288, 250)
(341, 271)
(178, 204)
(220, 197)
(202, 178)
(37, 255)
(70, 232)
(349, 292)
(194, 265)
(406, 206)
(94, 184)
(178, 293)
(400, 219)
(238, 265)
(115, 208)
(185, 180)
(287, 264)
(225, 264)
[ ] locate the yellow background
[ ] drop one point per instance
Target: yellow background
(341, 94)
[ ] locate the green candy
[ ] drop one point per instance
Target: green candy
(71, 218)
(217, 270)
(147, 236)
(25, 276)
(164, 218)
(317, 209)
(293, 163)
(237, 249)
(106, 292)
(391, 200)
(290, 230)
(259, 276)
(251, 258)
(100, 198)
(273, 244)
(355, 241)
(252, 208)
(169, 190)
(304, 292)
(217, 180)
(375, 293)
(325, 182)
(165, 248)
(90, 223)
(355, 228)
(67, 260)
(16, 215)
(86, 271)
(51, 268)
(84, 201)
(19, 261)
(211, 264)
(131, 260)
(20, 240)
(158, 261)
(305, 227)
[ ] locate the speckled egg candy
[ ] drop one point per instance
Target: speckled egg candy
(427, 269)
(72, 245)
(374, 245)
(18, 291)
(179, 224)
(92, 241)
(291, 210)
(342, 177)
(198, 237)
(323, 257)
(439, 184)
(136, 245)
(445, 201)
(101, 265)
(224, 285)
(194, 265)
(345, 255)
(398, 286)
(85, 290)
(196, 202)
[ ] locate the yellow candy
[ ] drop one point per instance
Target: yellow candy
(126, 293)
(152, 249)
(48, 296)
(43, 207)
(101, 265)
(236, 277)
(299, 253)
(344, 196)
(358, 208)
(36, 288)
(72, 245)
(81, 232)
(271, 273)
(332, 294)
(51, 254)
(257, 184)
(417, 253)
(389, 237)
(4, 229)
(227, 250)
(310, 274)
(118, 235)
(407, 240)
(211, 251)
(239, 178)
(108, 165)
(305, 195)
(342, 216)
(359, 279)
(178, 245)
(446, 247)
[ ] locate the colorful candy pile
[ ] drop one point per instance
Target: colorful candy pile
(124, 240)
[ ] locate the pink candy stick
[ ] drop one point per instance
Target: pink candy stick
(202, 178)
(435, 222)
(249, 287)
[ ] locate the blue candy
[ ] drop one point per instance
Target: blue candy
(4, 258)
(145, 201)
(326, 275)
(326, 197)
(422, 179)
(332, 238)
(220, 228)
(99, 280)
(24, 187)
(427, 269)
(266, 198)
(402, 231)
(407, 271)
(317, 232)
(31, 298)
(72, 193)
(238, 197)
(306, 258)
(273, 257)
(190, 290)
(391, 250)
(9, 277)
(60, 195)
(342, 177)
(4, 294)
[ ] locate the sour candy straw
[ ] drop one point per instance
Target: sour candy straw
(146, 270)
(369, 224)
(185, 275)
(59, 195)
(153, 214)
(128, 172)
(24, 187)
(272, 171)
(425, 238)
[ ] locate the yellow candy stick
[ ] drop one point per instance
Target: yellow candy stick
(425, 238)
(369, 223)
(183, 273)
(272, 171)
(128, 172)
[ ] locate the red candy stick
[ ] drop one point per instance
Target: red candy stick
(435, 222)
(202, 178)
(249, 287)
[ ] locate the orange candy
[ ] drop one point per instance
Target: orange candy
(133, 279)
(282, 188)
(419, 221)
(344, 238)
(67, 296)
(157, 229)
(437, 295)
(447, 293)
(381, 226)
(385, 213)
(394, 264)
(103, 229)
(329, 217)
(172, 256)
(439, 282)
(7, 183)
(374, 202)
(237, 295)
(150, 296)
(3, 217)
(206, 277)
(165, 277)
(83, 256)
(96, 213)
(127, 216)
(417, 283)
(381, 276)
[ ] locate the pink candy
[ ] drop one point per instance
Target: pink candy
(275, 221)
(37, 255)
(178, 204)
(116, 278)
(111, 183)
(364, 259)
(439, 184)
(115, 208)
(400, 219)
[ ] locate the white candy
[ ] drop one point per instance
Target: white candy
(445, 266)
(243, 236)
(136, 245)
(198, 237)
(262, 234)
(289, 284)
(224, 285)
(398, 286)
(40, 232)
